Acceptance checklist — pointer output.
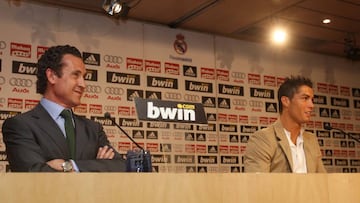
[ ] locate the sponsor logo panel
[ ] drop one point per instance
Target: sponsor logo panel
(161, 82)
(198, 86)
(91, 58)
(184, 159)
(344, 91)
(161, 159)
(152, 66)
(262, 93)
(152, 95)
(122, 78)
(20, 85)
(82, 108)
(183, 126)
(207, 159)
(192, 98)
(40, 51)
(95, 109)
(190, 71)
(24, 68)
(102, 120)
(172, 68)
(20, 50)
(130, 122)
(356, 104)
(134, 64)
(341, 102)
(271, 107)
(208, 101)
(222, 75)
(162, 125)
(229, 159)
(224, 103)
(91, 75)
(30, 103)
(248, 128)
(270, 81)
(173, 96)
(15, 103)
(333, 89)
(228, 128)
(231, 90)
(254, 79)
(207, 73)
(8, 114)
(133, 93)
(319, 99)
(322, 88)
(238, 77)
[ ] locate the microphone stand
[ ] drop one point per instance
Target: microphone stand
(328, 127)
(133, 158)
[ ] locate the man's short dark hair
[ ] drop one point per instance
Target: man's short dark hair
(52, 59)
(291, 86)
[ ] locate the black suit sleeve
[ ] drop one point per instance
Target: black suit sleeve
(23, 152)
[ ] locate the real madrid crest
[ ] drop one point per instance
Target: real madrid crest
(180, 45)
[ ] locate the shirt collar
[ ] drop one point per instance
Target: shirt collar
(300, 138)
(52, 108)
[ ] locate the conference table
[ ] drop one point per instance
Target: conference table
(179, 187)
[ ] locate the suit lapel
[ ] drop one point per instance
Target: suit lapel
(81, 135)
(50, 128)
(307, 148)
(283, 142)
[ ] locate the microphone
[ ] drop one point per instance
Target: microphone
(327, 126)
(135, 161)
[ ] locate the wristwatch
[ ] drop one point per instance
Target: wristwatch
(67, 166)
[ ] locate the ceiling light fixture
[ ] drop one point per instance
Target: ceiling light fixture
(279, 36)
(326, 21)
(119, 8)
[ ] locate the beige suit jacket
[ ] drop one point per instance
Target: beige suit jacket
(268, 150)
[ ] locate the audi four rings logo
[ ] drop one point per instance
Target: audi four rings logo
(2, 45)
(256, 104)
(239, 102)
(113, 59)
(172, 95)
(93, 89)
(110, 108)
(2, 80)
(192, 97)
(238, 75)
(21, 82)
(114, 90)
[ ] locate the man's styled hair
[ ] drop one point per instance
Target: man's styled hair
(52, 59)
(291, 86)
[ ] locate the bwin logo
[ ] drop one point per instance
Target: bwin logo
(182, 112)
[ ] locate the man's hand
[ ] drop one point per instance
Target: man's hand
(56, 164)
(105, 152)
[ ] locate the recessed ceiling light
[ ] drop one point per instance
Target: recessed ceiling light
(326, 21)
(279, 36)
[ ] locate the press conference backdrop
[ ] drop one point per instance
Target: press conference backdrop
(236, 82)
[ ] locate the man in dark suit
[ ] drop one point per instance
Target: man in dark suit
(38, 140)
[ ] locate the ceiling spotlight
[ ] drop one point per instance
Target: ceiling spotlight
(116, 7)
(326, 21)
(279, 36)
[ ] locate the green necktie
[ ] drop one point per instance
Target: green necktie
(70, 131)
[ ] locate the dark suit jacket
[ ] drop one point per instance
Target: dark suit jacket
(33, 138)
(268, 150)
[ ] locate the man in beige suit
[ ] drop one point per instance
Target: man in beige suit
(284, 147)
